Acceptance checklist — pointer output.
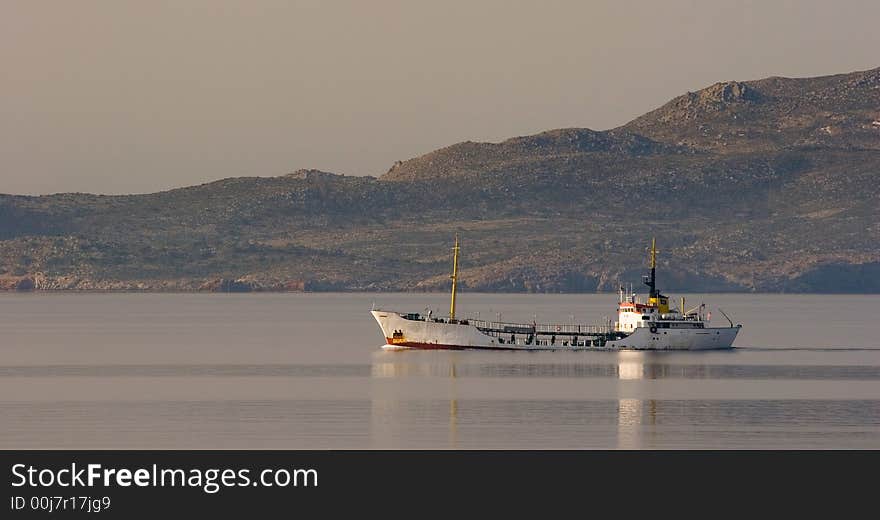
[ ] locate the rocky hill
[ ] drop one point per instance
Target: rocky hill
(768, 185)
(740, 117)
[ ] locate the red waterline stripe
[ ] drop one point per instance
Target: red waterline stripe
(440, 346)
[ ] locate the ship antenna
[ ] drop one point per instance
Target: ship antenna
(454, 278)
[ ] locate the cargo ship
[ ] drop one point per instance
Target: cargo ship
(651, 324)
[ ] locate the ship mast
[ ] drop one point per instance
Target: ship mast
(454, 278)
(655, 297)
(652, 281)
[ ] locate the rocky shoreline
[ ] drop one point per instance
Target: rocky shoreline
(42, 283)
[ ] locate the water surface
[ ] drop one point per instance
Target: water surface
(306, 371)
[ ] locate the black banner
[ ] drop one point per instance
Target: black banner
(129, 484)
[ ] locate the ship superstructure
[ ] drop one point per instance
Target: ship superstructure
(640, 325)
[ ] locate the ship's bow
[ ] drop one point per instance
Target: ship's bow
(382, 319)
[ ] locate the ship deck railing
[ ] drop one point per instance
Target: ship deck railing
(564, 329)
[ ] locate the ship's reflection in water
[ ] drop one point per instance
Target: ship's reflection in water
(512, 400)
(399, 417)
(634, 413)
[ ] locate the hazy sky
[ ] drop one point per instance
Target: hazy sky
(134, 96)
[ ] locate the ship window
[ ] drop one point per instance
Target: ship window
(646, 317)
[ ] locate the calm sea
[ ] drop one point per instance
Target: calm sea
(295, 371)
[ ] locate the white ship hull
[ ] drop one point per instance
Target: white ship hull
(403, 333)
